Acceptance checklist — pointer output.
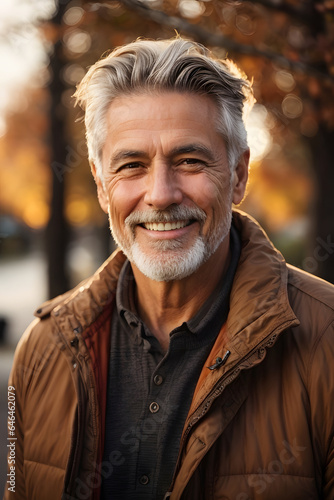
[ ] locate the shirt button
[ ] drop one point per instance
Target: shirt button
(154, 407)
(158, 379)
(144, 479)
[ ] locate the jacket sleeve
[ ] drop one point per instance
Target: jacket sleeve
(15, 484)
(321, 391)
(45, 411)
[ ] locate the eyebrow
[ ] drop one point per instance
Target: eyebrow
(178, 150)
(124, 154)
(192, 148)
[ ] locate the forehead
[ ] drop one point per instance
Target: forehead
(163, 93)
(168, 116)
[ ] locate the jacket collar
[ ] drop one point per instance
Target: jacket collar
(258, 303)
(87, 300)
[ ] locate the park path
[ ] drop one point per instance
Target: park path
(22, 289)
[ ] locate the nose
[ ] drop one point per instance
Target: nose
(163, 188)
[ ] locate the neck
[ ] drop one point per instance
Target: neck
(163, 306)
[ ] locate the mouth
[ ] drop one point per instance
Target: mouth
(166, 226)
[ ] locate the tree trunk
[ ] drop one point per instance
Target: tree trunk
(57, 233)
(322, 256)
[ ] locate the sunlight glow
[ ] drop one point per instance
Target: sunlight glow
(259, 137)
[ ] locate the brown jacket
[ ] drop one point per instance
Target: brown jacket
(260, 426)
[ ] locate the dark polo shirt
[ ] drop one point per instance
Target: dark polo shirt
(150, 392)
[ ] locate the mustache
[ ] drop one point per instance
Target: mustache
(173, 214)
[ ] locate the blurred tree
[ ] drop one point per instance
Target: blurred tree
(57, 233)
(285, 45)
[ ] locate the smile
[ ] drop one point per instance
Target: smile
(165, 226)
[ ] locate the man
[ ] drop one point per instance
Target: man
(195, 364)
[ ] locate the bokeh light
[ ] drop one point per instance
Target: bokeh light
(73, 15)
(191, 8)
(77, 41)
(292, 106)
(284, 81)
(78, 211)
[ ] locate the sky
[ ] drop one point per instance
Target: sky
(22, 51)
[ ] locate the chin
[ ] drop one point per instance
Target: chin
(169, 265)
(168, 260)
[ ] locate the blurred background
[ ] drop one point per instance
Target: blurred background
(52, 231)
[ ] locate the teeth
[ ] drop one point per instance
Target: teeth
(165, 226)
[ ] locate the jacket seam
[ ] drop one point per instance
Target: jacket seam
(45, 465)
(314, 350)
(305, 292)
(331, 445)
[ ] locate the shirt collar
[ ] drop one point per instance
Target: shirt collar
(216, 307)
(211, 316)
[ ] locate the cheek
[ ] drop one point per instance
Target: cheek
(123, 199)
(212, 193)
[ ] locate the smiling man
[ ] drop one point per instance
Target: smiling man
(195, 364)
(168, 189)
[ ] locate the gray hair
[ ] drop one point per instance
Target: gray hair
(164, 65)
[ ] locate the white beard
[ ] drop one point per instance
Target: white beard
(170, 260)
(169, 265)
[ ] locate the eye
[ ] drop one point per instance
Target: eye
(192, 163)
(129, 167)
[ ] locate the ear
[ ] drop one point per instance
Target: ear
(240, 178)
(101, 192)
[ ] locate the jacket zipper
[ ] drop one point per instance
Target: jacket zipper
(76, 439)
(77, 436)
(222, 383)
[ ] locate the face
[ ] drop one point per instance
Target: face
(167, 186)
